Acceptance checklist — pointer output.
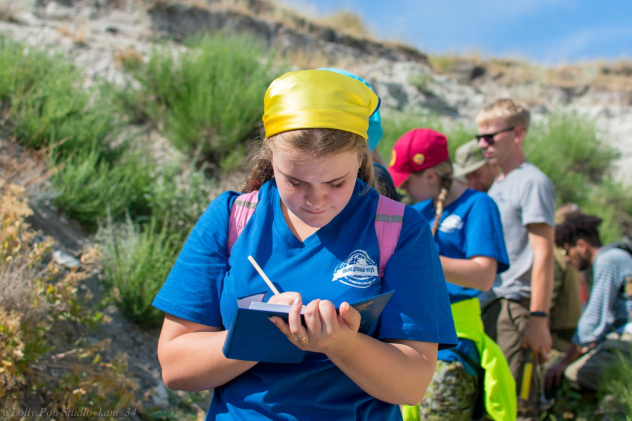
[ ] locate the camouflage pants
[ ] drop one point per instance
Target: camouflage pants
(451, 394)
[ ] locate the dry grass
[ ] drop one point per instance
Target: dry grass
(305, 59)
(42, 310)
(14, 257)
(616, 76)
(343, 21)
(346, 22)
(128, 58)
(7, 11)
(25, 167)
(612, 76)
(78, 33)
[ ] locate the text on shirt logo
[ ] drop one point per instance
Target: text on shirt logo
(358, 270)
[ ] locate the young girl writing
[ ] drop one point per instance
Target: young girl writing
(467, 228)
(313, 234)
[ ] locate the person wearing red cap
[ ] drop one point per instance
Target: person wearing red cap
(468, 233)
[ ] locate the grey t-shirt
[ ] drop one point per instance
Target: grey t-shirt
(525, 196)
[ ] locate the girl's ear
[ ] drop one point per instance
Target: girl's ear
(432, 176)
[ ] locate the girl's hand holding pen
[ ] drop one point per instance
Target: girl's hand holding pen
(325, 330)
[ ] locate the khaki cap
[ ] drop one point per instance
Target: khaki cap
(468, 158)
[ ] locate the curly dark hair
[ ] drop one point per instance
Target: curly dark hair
(577, 226)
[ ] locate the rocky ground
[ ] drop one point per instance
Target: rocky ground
(96, 34)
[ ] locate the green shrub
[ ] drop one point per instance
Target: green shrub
(567, 149)
(136, 261)
(615, 388)
(178, 196)
(208, 97)
(610, 201)
(89, 188)
(48, 107)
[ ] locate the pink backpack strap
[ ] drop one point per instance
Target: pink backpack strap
(388, 225)
(241, 211)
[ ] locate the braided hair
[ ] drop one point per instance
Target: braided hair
(444, 171)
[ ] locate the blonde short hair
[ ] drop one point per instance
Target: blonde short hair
(513, 112)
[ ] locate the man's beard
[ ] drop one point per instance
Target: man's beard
(584, 264)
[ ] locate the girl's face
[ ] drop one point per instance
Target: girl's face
(422, 185)
(315, 190)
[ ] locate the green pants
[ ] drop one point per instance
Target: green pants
(585, 373)
(451, 395)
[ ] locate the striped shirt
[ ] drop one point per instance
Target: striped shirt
(609, 307)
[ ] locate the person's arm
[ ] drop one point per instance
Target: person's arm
(484, 252)
(477, 272)
(538, 336)
(553, 376)
(191, 356)
(595, 321)
(397, 371)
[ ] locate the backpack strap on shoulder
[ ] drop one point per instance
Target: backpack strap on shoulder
(241, 211)
(388, 225)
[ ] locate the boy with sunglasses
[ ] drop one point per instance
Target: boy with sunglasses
(515, 310)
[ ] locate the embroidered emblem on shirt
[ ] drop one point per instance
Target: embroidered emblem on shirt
(451, 223)
(358, 270)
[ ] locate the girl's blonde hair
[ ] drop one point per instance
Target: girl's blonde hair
(315, 144)
(445, 173)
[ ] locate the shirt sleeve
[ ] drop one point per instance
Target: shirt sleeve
(538, 201)
(598, 317)
(420, 308)
(192, 289)
(484, 233)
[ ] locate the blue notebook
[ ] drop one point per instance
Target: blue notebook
(252, 337)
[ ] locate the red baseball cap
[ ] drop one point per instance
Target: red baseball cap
(417, 150)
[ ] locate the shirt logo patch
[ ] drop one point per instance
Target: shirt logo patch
(359, 270)
(451, 223)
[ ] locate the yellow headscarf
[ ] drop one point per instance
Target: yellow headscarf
(311, 99)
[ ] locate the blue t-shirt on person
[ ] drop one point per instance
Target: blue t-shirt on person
(470, 226)
(339, 263)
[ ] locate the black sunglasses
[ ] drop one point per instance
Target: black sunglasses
(489, 137)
